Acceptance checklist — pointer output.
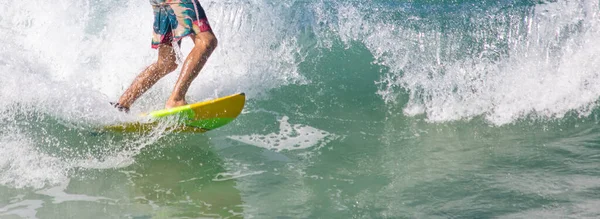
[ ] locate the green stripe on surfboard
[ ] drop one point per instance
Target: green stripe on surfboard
(182, 111)
(209, 123)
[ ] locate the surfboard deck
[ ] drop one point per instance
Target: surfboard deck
(197, 117)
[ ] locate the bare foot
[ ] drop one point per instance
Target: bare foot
(120, 107)
(175, 103)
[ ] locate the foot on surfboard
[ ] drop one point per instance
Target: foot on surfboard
(119, 107)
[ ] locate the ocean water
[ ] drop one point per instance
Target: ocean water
(356, 109)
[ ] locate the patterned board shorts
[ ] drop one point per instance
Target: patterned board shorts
(176, 19)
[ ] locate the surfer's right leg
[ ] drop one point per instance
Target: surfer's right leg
(165, 64)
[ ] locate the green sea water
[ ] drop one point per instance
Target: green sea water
(356, 109)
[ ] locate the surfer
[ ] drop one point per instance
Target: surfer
(173, 20)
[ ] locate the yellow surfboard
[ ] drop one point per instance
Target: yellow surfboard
(197, 117)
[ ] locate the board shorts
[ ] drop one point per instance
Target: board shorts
(176, 19)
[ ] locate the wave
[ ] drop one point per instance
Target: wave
(460, 60)
(443, 60)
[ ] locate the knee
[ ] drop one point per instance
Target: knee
(213, 42)
(207, 41)
(168, 65)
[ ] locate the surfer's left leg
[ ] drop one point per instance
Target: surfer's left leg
(204, 44)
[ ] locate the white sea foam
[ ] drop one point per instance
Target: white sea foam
(21, 165)
(289, 137)
(235, 175)
(23, 209)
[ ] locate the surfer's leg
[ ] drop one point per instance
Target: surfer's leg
(165, 64)
(204, 44)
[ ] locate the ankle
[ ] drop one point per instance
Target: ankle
(171, 103)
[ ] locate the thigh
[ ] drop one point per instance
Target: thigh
(166, 53)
